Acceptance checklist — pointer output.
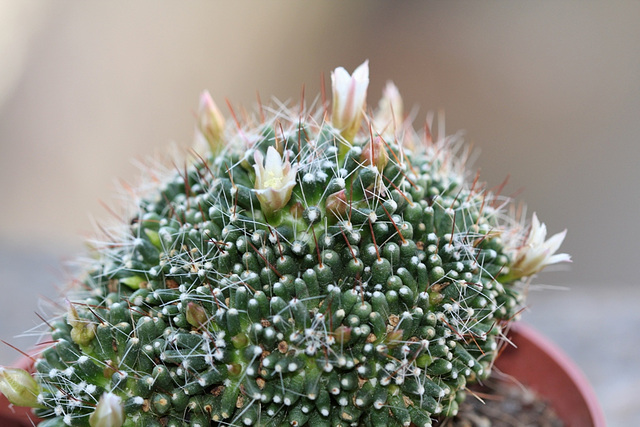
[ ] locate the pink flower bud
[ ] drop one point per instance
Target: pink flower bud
(375, 154)
(337, 204)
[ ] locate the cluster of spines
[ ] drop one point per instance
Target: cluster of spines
(211, 311)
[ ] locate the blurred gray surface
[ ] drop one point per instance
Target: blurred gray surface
(30, 278)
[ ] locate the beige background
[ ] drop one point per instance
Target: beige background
(548, 91)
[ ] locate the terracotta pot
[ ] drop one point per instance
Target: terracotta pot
(539, 364)
(536, 362)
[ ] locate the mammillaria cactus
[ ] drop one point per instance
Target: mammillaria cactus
(307, 269)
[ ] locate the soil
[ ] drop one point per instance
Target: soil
(500, 403)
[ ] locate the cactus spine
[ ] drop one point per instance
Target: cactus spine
(298, 273)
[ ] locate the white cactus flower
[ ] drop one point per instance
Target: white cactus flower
(210, 124)
(390, 112)
(109, 412)
(19, 387)
(537, 253)
(275, 180)
(349, 99)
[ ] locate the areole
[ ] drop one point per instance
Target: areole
(534, 361)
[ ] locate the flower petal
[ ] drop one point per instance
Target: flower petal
(349, 99)
(536, 252)
(275, 180)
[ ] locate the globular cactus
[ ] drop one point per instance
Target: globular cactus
(303, 270)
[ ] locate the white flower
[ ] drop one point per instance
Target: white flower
(19, 387)
(388, 118)
(109, 412)
(349, 99)
(537, 253)
(210, 125)
(275, 180)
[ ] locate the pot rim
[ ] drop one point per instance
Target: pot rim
(549, 371)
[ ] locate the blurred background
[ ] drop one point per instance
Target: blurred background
(547, 92)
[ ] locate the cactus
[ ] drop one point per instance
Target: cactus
(300, 271)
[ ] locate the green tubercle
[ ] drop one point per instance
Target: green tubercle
(297, 272)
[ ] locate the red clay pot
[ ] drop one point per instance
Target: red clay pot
(536, 362)
(539, 364)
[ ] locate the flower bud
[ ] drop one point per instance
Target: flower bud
(337, 204)
(388, 118)
(196, 315)
(19, 387)
(349, 99)
(234, 369)
(275, 180)
(210, 125)
(240, 341)
(342, 334)
(375, 154)
(394, 338)
(109, 412)
(82, 330)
